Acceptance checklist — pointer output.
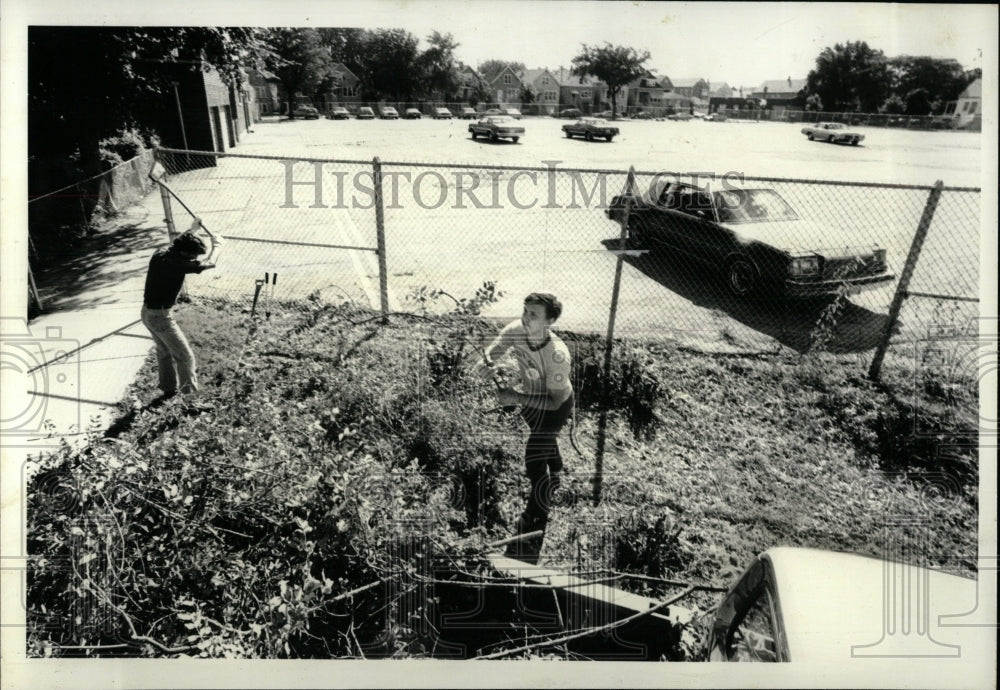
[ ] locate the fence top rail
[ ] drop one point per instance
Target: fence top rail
(549, 169)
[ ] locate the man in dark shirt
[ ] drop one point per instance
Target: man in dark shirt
(175, 360)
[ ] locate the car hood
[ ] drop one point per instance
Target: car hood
(797, 236)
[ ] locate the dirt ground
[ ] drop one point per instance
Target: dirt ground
(452, 227)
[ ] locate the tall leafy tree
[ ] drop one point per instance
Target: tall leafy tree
(346, 45)
(116, 78)
(616, 66)
(925, 84)
(438, 65)
(301, 61)
(390, 68)
(850, 77)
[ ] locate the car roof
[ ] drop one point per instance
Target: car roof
(833, 604)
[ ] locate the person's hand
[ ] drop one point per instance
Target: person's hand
(195, 225)
(218, 240)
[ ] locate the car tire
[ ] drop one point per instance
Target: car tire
(809, 135)
(854, 141)
(493, 137)
(741, 276)
(569, 135)
(473, 135)
(610, 137)
(590, 137)
(515, 139)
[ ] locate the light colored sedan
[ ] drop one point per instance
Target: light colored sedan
(833, 132)
(495, 127)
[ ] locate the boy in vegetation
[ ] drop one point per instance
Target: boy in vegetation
(546, 404)
(178, 370)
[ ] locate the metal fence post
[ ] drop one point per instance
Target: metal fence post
(383, 279)
(168, 214)
(630, 190)
(904, 278)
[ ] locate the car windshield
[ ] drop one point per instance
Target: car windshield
(593, 121)
(752, 206)
(833, 126)
(499, 119)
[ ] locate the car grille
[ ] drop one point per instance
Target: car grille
(852, 266)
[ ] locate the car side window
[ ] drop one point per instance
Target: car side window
(753, 637)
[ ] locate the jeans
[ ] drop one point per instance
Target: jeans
(543, 463)
(174, 357)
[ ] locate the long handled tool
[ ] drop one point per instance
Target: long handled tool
(270, 294)
(157, 174)
(258, 284)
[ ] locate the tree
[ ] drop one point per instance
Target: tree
(926, 84)
(616, 66)
(301, 61)
(390, 68)
(439, 67)
(347, 46)
(117, 79)
(850, 77)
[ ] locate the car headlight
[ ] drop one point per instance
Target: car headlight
(879, 258)
(804, 266)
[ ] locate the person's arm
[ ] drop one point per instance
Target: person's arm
(213, 255)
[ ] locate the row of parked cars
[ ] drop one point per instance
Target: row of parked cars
(390, 113)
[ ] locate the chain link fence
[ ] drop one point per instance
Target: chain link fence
(315, 224)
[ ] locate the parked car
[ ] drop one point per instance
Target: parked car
(814, 606)
(833, 132)
(643, 115)
(590, 128)
(571, 112)
(306, 112)
(388, 113)
(468, 114)
(679, 116)
(513, 112)
(366, 113)
(755, 238)
(339, 113)
(444, 113)
(412, 114)
(496, 127)
(493, 111)
(605, 114)
(716, 117)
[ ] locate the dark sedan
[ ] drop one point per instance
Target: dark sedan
(755, 238)
(590, 128)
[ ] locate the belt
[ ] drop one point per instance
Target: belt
(150, 306)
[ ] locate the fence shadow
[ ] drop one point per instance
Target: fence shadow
(85, 275)
(793, 323)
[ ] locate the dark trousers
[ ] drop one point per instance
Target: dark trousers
(543, 463)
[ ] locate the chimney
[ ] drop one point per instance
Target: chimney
(789, 82)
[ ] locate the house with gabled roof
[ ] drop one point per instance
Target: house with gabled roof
(646, 91)
(584, 93)
(545, 87)
(348, 87)
(267, 90)
(506, 85)
(967, 110)
(693, 87)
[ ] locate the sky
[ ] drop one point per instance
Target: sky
(740, 43)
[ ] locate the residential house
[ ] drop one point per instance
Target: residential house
(347, 90)
(779, 95)
(505, 85)
(692, 88)
(967, 110)
(469, 81)
(646, 92)
(266, 87)
(582, 93)
(724, 90)
(545, 88)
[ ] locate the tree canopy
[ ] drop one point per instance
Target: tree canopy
(301, 60)
(616, 66)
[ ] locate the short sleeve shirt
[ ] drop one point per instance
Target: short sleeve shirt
(545, 371)
(166, 276)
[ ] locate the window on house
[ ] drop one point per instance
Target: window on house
(972, 107)
(545, 81)
(506, 79)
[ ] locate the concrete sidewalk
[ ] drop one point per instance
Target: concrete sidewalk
(79, 357)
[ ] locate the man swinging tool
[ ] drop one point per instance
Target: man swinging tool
(178, 370)
(546, 404)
